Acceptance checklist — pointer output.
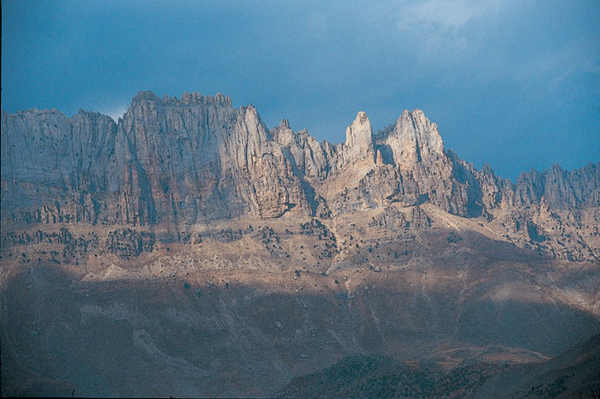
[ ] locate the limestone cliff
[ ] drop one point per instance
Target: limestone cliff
(185, 160)
(57, 169)
(197, 159)
(194, 160)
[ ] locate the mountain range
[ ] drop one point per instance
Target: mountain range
(189, 250)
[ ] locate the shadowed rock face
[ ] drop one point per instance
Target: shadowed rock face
(217, 334)
(234, 334)
(188, 250)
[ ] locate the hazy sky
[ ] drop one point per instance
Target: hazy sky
(515, 84)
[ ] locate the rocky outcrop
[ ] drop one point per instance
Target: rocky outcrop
(198, 159)
(180, 162)
(560, 189)
(57, 169)
(314, 161)
(359, 142)
(127, 243)
(405, 163)
(412, 140)
(185, 160)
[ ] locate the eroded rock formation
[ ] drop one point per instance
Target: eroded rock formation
(181, 162)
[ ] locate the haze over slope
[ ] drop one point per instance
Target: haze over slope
(227, 258)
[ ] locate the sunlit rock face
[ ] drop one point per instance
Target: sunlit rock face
(229, 259)
(55, 169)
(359, 140)
(169, 160)
(203, 160)
(413, 140)
(197, 159)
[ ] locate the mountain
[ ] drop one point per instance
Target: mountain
(181, 162)
(189, 250)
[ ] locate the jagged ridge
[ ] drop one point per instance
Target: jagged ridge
(196, 159)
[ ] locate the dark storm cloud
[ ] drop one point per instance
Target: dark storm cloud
(512, 83)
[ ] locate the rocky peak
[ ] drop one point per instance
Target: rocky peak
(255, 125)
(310, 159)
(414, 139)
(284, 135)
(145, 96)
(359, 140)
(195, 159)
(560, 189)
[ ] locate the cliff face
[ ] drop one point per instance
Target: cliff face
(559, 188)
(57, 169)
(181, 162)
(187, 160)
(197, 159)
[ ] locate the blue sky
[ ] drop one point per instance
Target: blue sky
(514, 83)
